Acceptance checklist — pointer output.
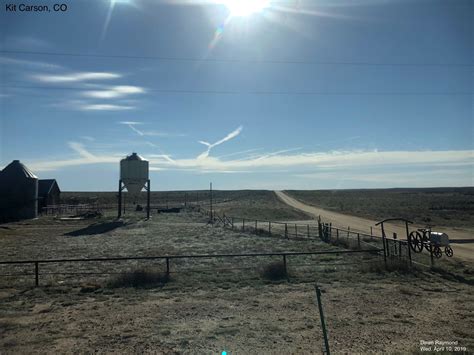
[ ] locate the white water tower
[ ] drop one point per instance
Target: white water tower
(134, 176)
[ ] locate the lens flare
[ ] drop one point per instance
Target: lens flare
(245, 7)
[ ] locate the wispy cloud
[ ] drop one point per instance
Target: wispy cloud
(26, 43)
(130, 122)
(28, 63)
(142, 132)
(418, 177)
(330, 160)
(228, 137)
(397, 168)
(79, 148)
(104, 107)
(114, 92)
(75, 77)
(84, 158)
(132, 125)
(87, 138)
(240, 153)
(82, 105)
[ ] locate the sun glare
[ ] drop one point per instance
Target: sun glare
(245, 7)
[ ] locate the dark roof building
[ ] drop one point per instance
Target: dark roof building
(18, 192)
(48, 193)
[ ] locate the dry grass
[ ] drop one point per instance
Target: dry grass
(400, 266)
(251, 204)
(441, 206)
(204, 310)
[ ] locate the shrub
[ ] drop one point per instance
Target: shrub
(139, 278)
(274, 271)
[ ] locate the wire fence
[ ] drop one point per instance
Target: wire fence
(403, 250)
(422, 253)
(287, 230)
(349, 242)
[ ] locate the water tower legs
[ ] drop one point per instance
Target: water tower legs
(148, 191)
(120, 199)
(148, 199)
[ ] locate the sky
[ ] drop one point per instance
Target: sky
(262, 94)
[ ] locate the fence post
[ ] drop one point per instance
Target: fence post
(286, 231)
(321, 315)
(431, 255)
(232, 222)
(371, 233)
(409, 250)
(308, 229)
(36, 274)
(358, 239)
(337, 233)
(296, 231)
(384, 242)
(243, 224)
(408, 243)
(269, 227)
(167, 267)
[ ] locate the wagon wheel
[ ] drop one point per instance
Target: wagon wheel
(416, 242)
(426, 236)
(448, 251)
(425, 239)
(437, 252)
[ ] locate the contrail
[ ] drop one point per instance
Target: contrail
(231, 135)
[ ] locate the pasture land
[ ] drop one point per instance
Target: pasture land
(451, 207)
(211, 305)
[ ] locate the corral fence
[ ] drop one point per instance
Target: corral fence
(38, 264)
(287, 230)
(392, 248)
(68, 209)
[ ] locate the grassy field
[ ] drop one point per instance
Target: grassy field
(453, 207)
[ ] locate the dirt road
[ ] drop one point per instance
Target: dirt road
(463, 250)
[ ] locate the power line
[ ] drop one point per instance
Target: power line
(247, 61)
(237, 92)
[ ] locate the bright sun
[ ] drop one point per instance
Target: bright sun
(245, 7)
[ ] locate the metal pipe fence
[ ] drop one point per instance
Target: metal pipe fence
(62, 209)
(167, 258)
